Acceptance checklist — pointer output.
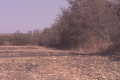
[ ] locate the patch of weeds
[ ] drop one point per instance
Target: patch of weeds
(101, 78)
(30, 66)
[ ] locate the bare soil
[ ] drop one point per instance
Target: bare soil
(39, 63)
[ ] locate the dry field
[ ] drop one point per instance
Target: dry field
(39, 63)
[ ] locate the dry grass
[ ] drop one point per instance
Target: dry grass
(55, 66)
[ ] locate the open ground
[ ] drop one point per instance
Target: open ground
(40, 63)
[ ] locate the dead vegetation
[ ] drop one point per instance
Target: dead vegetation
(55, 65)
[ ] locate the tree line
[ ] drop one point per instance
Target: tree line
(85, 23)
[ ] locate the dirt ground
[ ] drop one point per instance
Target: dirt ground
(39, 63)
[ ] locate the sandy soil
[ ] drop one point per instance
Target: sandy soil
(39, 63)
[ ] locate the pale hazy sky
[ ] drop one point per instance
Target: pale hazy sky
(27, 15)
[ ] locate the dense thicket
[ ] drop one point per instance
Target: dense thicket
(85, 22)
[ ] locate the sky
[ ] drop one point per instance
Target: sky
(26, 15)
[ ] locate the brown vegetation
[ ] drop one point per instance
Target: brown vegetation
(85, 23)
(17, 63)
